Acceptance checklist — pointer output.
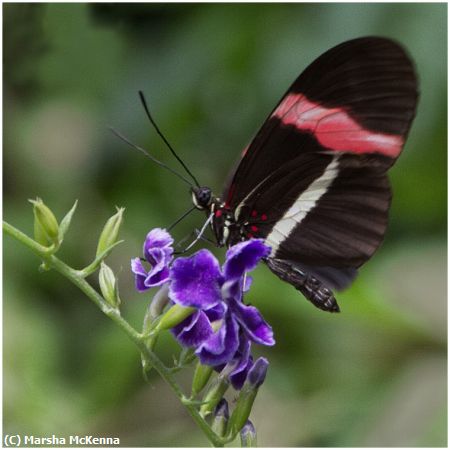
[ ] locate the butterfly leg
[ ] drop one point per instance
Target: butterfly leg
(311, 287)
(198, 234)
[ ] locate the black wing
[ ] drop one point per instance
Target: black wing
(313, 182)
(358, 97)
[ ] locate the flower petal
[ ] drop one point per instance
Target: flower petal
(243, 362)
(157, 238)
(238, 378)
(236, 370)
(140, 283)
(248, 280)
(257, 373)
(196, 280)
(216, 312)
(158, 256)
(253, 323)
(221, 346)
(140, 274)
(157, 277)
(243, 257)
(193, 330)
(137, 267)
(232, 291)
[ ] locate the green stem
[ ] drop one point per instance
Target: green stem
(77, 279)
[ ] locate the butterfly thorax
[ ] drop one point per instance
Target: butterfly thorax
(230, 227)
(225, 228)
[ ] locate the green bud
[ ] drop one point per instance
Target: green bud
(46, 228)
(221, 416)
(243, 408)
(108, 285)
(40, 235)
(255, 377)
(248, 435)
(110, 232)
(214, 395)
(202, 375)
(174, 316)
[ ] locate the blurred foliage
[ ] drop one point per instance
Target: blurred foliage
(375, 375)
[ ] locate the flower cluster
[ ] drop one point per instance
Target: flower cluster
(222, 327)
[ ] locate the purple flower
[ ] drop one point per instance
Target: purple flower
(223, 328)
(158, 252)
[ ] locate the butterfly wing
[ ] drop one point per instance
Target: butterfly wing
(313, 182)
(358, 97)
(321, 210)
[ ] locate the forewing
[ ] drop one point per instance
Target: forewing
(358, 98)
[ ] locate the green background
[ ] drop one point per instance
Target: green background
(374, 375)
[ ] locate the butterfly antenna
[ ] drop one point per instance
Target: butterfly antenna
(152, 121)
(148, 155)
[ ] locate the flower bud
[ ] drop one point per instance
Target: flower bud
(248, 435)
(110, 232)
(221, 416)
(174, 316)
(202, 375)
(46, 228)
(257, 374)
(214, 395)
(40, 235)
(108, 285)
(244, 404)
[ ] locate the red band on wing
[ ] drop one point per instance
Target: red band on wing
(334, 128)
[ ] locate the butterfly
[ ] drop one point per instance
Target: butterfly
(313, 182)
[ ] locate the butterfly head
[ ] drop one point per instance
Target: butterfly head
(202, 197)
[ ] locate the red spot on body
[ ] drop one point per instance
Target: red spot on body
(254, 213)
(254, 228)
(249, 235)
(263, 216)
(334, 128)
(218, 213)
